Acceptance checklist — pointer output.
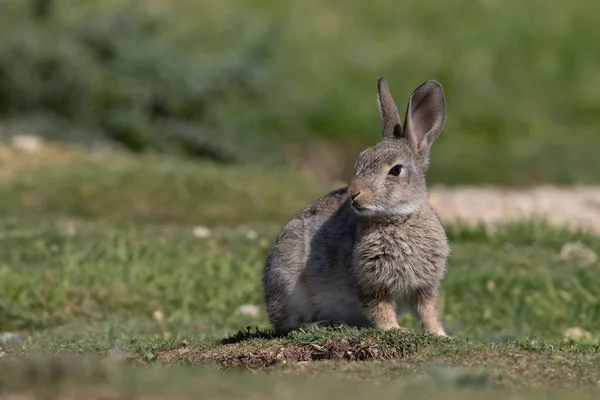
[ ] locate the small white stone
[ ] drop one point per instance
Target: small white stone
(578, 334)
(117, 354)
(201, 232)
(159, 316)
(7, 337)
(579, 253)
(68, 229)
(248, 309)
(26, 143)
(248, 232)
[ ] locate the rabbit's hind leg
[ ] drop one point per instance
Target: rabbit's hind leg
(298, 310)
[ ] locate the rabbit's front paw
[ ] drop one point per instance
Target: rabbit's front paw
(382, 315)
(398, 328)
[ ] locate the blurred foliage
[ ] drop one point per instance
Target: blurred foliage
(91, 75)
(212, 79)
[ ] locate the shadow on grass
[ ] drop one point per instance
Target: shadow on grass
(269, 334)
(242, 336)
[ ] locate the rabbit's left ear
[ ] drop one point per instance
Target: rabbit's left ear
(388, 112)
(425, 115)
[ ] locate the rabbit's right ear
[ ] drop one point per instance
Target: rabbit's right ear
(425, 115)
(388, 112)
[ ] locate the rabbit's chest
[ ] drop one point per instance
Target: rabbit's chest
(395, 263)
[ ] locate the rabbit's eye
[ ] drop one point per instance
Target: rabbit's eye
(395, 171)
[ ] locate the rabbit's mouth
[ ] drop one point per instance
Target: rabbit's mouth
(358, 207)
(363, 210)
(373, 211)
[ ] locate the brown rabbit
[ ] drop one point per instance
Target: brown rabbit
(358, 254)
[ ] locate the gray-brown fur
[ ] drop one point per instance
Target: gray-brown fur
(359, 254)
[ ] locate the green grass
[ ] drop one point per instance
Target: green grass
(84, 271)
(53, 273)
(150, 189)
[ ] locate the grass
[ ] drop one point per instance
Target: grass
(84, 272)
(118, 188)
(55, 272)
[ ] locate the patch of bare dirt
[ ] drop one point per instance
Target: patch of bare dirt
(576, 207)
(251, 356)
(511, 367)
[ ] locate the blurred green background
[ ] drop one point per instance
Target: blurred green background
(294, 82)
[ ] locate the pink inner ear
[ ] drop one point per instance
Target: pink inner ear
(422, 121)
(426, 117)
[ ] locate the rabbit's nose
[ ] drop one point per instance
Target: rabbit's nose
(354, 195)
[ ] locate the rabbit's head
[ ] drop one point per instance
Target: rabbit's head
(390, 176)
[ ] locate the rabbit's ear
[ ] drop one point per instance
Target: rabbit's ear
(425, 115)
(388, 112)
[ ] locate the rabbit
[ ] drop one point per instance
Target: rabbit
(360, 254)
